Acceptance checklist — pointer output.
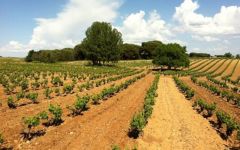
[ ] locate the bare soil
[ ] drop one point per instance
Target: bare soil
(174, 125)
(229, 70)
(100, 127)
(12, 124)
(216, 66)
(236, 73)
(221, 68)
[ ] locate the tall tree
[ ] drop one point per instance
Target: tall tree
(171, 55)
(148, 49)
(129, 51)
(102, 43)
(79, 52)
(228, 55)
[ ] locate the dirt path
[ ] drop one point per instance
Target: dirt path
(101, 126)
(175, 125)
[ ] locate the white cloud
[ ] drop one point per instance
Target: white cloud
(69, 26)
(139, 27)
(223, 24)
(14, 46)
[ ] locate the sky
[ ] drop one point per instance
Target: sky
(211, 26)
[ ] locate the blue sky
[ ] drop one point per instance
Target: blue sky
(203, 26)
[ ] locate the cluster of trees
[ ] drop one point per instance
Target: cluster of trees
(199, 55)
(51, 56)
(229, 55)
(104, 44)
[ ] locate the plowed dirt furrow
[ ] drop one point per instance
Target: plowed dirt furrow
(12, 118)
(175, 125)
(203, 93)
(99, 127)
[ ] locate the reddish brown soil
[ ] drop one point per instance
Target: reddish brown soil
(12, 118)
(12, 126)
(100, 127)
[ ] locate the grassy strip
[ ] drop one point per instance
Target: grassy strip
(139, 120)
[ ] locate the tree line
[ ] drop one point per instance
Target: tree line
(103, 44)
(127, 51)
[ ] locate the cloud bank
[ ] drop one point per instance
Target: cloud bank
(68, 27)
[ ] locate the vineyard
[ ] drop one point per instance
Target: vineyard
(72, 105)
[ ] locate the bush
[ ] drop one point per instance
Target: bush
(189, 93)
(96, 98)
(30, 122)
(115, 147)
(210, 108)
(20, 95)
(47, 93)
(1, 139)
(43, 115)
(137, 124)
(224, 118)
(79, 106)
(33, 97)
(57, 91)
(67, 89)
(56, 81)
(11, 102)
(57, 114)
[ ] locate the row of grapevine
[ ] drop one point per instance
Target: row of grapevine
(140, 119)
(228, 96)
(208, 110)
(54, 115)
(189, 93)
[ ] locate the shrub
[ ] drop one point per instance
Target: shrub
(56, 81)
(57, 91)
(222, 117)
(33, 97)
(43, 115)
(30, 122)
(67, 89)
(115, 147)
(20, 95)
(11, 102)
(137, 124)
(24, 84)
(1, 139)
(238, 134)
(189, 94)
(96, 98)
(47, 93)
(231, 126)
(56, 111)
(79, 106)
